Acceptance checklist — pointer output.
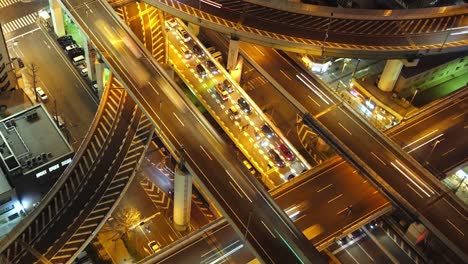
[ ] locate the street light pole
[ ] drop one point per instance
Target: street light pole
(414, 95)
(432, 150)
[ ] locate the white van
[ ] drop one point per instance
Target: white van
(78, 59)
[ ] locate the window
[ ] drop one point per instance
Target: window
(52, 168)
(40, 174)
(4, 201)
(65, 162)
(7, 209)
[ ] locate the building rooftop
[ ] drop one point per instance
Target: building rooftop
(24, 137)
(430, 62)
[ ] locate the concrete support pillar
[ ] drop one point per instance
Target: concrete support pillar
(233, 53)
(57, 18)
(390, 75)
(90, 57)
(194, 29)
(236, 73)
(182, 197)
(99, 66)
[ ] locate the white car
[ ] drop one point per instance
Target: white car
(41, 94)
(171, 23)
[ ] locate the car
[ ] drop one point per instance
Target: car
(82, 69)
(75, 52)
(64, 38)
(198, 51)
(70, 47)
(244, 105)
(211, 50)
(287, 154)
(267, 131)
(95, 87)
(276, 158)
(183, 34)
(59, 121)
(201, 71)
(223, 94)
(249, 167)
(171, 22)
(40, 92)
(187, 54)
(65, 43)
(212, 67)
(234, 113)
(228, 86)
(218, 56)
(20, 63)
(154, 246)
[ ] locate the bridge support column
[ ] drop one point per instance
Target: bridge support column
(57, 18)
(233, 53)
(99, 66)
(390, 75)
(90, 57)
(182, 197)
(194, 29)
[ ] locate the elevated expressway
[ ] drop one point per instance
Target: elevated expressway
(334, 225)
(327, 31)
(80, 202)
(250, 210)
(375, 156)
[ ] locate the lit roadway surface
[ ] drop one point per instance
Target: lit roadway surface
(268, 230)
(411, 185)
(245, 139)
(330, 31)
(438, 138)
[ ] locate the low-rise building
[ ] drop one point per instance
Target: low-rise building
(33, 153)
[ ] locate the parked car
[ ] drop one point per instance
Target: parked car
(59, 121)
(154, 247)
(212, 67)
(244, 105)
(171, 22)
(40, 92)
(228, 86)
(72, 46)
(201, 71)
(198, 51)
(267, 131)
(287, 154)
(276, 158)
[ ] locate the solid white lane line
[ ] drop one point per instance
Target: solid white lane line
(426, 135)
(463, 215)
(255, 47)
(206, 152)
(411, 187)
(178, 118)
(287, 76)
(242, 190)
(411, 180)
(378, 158)
(365, 252)
(232, 185)
(154, 89)
(448, 152)
(273, 235)
(333, 199)
(416, 177)
(352, 256)
(457, 116)
(313, 101)
(454, 226)
(325, 187)
(425, 143)
(299, 218)
(344, 128)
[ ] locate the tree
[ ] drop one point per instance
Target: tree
(122, 221)
(34, 78)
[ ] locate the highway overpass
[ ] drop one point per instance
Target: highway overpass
(327, 31)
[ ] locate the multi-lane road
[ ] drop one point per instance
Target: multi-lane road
(247, 205)
(408, 182)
